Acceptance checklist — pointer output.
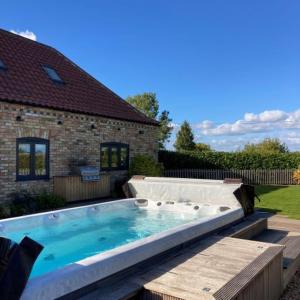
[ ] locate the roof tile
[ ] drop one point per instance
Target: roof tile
(25, 81)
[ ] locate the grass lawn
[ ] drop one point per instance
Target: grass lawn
(284, 200)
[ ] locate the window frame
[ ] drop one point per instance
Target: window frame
(117, 145)
(32, 142)
(59, 81)
(3, 66)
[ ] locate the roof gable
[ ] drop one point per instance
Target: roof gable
(25, 81)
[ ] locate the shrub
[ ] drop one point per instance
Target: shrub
(228, 160)
(296, 176)
(4, 211)
(22, 203)
(47, 200)
(145, 165)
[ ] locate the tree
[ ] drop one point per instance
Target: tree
(165, 129)
(146, 103)
(185, 138)
(202, 147)
(267, 146)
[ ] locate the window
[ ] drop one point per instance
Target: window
(32, 159)
(2, 65)
(53, 74)
(114, 156)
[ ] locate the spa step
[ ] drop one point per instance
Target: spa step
(291, 256)
(248, 228)
(291, 253)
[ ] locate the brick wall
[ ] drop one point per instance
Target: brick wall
(73, 139)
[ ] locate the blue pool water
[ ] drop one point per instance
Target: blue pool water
(77, 238)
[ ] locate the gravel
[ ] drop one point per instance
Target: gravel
(292, 291)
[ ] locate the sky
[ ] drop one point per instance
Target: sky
(230, 68)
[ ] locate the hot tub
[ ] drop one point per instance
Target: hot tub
(88, 243)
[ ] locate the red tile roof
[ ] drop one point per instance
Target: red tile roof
(25, 81)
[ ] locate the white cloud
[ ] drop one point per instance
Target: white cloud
(293, 120)
(292, 138)
(266, 116)
(229, 144)
(206, 124)
(266, 121)
(174, 125)
(27, 34)
(252, 128)
(272, 116)
(250, 117)
(293, 142)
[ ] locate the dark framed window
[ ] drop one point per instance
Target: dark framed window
(2, 66)
(114, 156)
(32, 159)
(53, 74)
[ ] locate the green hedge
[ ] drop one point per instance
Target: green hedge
(145, 165)
(228, 160)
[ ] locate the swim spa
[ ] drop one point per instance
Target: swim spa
(89, 243)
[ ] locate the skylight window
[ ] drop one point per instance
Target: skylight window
(2, 65)
(53, 74)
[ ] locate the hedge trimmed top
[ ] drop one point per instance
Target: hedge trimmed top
(228, 160)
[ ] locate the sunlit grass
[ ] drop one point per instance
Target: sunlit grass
(280, 199)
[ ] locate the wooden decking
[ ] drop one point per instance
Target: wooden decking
(224, 266)
(226, 269)
(284, 231)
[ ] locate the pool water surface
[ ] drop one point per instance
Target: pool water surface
(68, 240)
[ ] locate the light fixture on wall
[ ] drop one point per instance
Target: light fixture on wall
(19, 118)
(60, 122)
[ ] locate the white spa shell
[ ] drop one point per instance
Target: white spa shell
(197, 196)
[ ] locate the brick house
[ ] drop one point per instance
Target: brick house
(53, 113)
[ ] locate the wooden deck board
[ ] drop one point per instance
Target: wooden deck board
(271, 236)
(284, 231)
(283, 223)
(178, 292)
(222, 267)
(241, 281)
(207, 272)
(249, 227)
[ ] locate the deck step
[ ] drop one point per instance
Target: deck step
(247, 229)
(283, 223)
(291, 253)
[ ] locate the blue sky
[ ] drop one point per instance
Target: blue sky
(211, 61)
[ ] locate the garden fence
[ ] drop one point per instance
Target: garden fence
(271, 177)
